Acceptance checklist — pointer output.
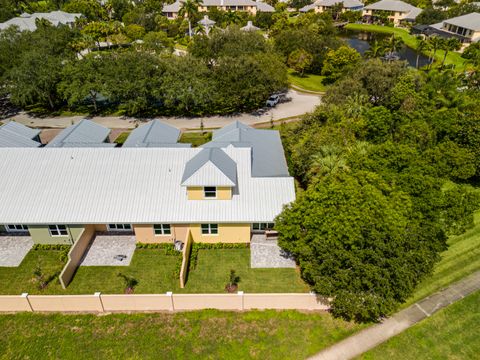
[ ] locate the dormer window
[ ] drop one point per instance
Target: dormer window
(210, 192)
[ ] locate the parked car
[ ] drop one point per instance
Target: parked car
(273, 100)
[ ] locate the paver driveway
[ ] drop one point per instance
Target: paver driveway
(13, 249)
(104, 249)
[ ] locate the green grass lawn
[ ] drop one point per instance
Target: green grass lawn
(122, 137)
(410, 40)
(191, 335)
(213, 269)
(460, 259)
(451, 333)
(308, 82)
(195, 138)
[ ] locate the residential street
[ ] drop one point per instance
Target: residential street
(371, 337)
(300, 104)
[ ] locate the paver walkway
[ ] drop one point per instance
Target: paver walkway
(267, 254)
(104, 249)
(371, 337)
(13, 249)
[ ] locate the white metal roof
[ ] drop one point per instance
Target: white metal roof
(13, 134)
(82, 133)
(469, 21)
(131, 185)
(27, 22)
(153, 132)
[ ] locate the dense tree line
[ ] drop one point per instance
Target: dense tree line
(384, 164)
(229, 72)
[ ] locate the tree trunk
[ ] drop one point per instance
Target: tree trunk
(444, 58)
(418, 57)
(189, 28)
(50, 101)
(94, 99)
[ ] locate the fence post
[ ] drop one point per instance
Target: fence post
(98, 295)
(172, 306)
(25, 295)
(240, 293)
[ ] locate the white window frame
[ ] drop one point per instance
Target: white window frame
(56, 231)
(120, 227)
(210, 191)
(165, 229)
(210, 228)
(16, 228)
(262, 226)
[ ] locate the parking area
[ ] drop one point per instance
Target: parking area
(267, 254)
(13, 250)
(110, 250)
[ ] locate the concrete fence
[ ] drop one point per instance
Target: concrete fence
(159, 302)
(187, 249)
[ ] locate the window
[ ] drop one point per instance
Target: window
(119, 227)
(162, 229)
(58, 230)
(210, 192)
(209, 229)
(262, 226)
(16, 228)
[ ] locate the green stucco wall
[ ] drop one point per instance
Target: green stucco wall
(41, 235)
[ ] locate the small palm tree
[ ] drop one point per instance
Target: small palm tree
(189, 9)
(393, 44)
(452, 44)
(231, 17)
(376, 50)
(435, 44)
(423, 45)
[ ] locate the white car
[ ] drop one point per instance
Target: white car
(273, 100)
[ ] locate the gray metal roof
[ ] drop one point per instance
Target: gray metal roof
(154, 132)
(210, 167)
(346, 3)
(249, 27)
(268, 158)
(469, 21)
(13, 134)
(261, 6)
(391, 5)
(85, 132)
(264, 7)
(133, 185)
(26, 22)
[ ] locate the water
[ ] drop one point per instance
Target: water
(360, 41)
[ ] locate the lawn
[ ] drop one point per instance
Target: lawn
(213, 269)
(308, 82)
(191, 335)
(451, 333)
(410, 41)
(195, 138)
(122, 137)
(461, 259)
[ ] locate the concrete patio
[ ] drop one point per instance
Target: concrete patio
(104, 248)
(267, 254)
(13, 249)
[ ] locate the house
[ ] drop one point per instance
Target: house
(320, 6)
(396, 11)
(250, 6)
(27, 22)
(466, 28)
(154, 134)
(13, 134)
(85, 133)
(225, 191)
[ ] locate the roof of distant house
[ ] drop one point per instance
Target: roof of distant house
(175, 7)
(13, 134)
(395, 5)
(153, 134)
(85, 133)
(27, 22)
(346, 3)
(469, 21)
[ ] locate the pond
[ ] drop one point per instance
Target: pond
(361, 41)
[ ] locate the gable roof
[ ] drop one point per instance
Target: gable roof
(268, 158)
(84, 133)
(391, 5)
(261, 6)
(151, 133)
(210, 167)
(469, 21)
(13, 134)
(27, 22)
(346, 3)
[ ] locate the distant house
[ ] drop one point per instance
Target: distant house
(250, 6)
(466, 28)
(27, 22)
(154, 134)
(85, 133)
(13, 134)
(397, 11)
(320, 6)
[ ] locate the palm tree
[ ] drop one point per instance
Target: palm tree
(189, 9)
(422, 46)
(393, 44)
(451, 44)
(231, 17)
(376, 50)
(435, 44)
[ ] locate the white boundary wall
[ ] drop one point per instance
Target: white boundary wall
(159, 302)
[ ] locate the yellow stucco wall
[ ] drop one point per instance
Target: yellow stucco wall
(227, 233)
(196, 193)
(145, 234)
(101, 227)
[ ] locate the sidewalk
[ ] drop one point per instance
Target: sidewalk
(369, 338)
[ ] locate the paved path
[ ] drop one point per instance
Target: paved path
(369, 338)
(267, 254)
(300, 104)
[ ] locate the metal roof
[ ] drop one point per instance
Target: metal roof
(268, 158)
(469, 21)
(261, 6)
(346, 3)
(85, 132)
(155, 132)
(249, 27)
(132, 185)
(210, 167)
(26, 21)
(13, 134)
(391, 5)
